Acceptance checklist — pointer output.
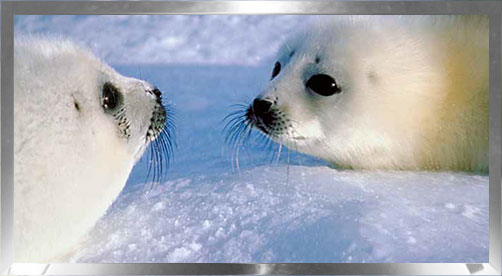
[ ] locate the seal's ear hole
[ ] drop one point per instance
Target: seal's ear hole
(276, 71)
(77, 106)
(110, 96)
(323, 85)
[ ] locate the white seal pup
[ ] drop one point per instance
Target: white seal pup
(382, 92)
(79, 127)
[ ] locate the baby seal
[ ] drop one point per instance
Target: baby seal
(382, 92)
(79, 127)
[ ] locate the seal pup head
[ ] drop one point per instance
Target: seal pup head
(375, 91)
(306, 81)
(140, 118)
(79, 128)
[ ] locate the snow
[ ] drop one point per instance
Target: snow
(297, 211)
(319, 215)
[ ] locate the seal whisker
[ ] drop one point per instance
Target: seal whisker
(154, 164)
(234, 131)
(161, 141)
(239, 141)
(159, 152)
(237, 130)
(287, 169)
(279, 151)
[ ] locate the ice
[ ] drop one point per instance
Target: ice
(303, 210)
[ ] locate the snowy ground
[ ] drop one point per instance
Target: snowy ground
(296, 211)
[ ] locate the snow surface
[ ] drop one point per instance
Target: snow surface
(296, 211)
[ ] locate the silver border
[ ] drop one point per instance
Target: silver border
(9, 9)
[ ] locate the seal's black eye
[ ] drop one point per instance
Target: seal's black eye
(323, 85)
(110, 96)
(277, 69)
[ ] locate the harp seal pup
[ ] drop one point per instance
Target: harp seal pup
(382, 92)
(79, 127)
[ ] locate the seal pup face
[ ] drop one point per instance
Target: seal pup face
(135, 108)
(305, 81)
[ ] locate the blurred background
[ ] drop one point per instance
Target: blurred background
(275, 206)
(245, 40)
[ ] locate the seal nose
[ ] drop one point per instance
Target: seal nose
(157, 92)
(261, 106)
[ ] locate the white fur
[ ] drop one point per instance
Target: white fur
(69, 165)
(414, 92)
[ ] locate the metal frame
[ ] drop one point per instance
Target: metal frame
(9, 9)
